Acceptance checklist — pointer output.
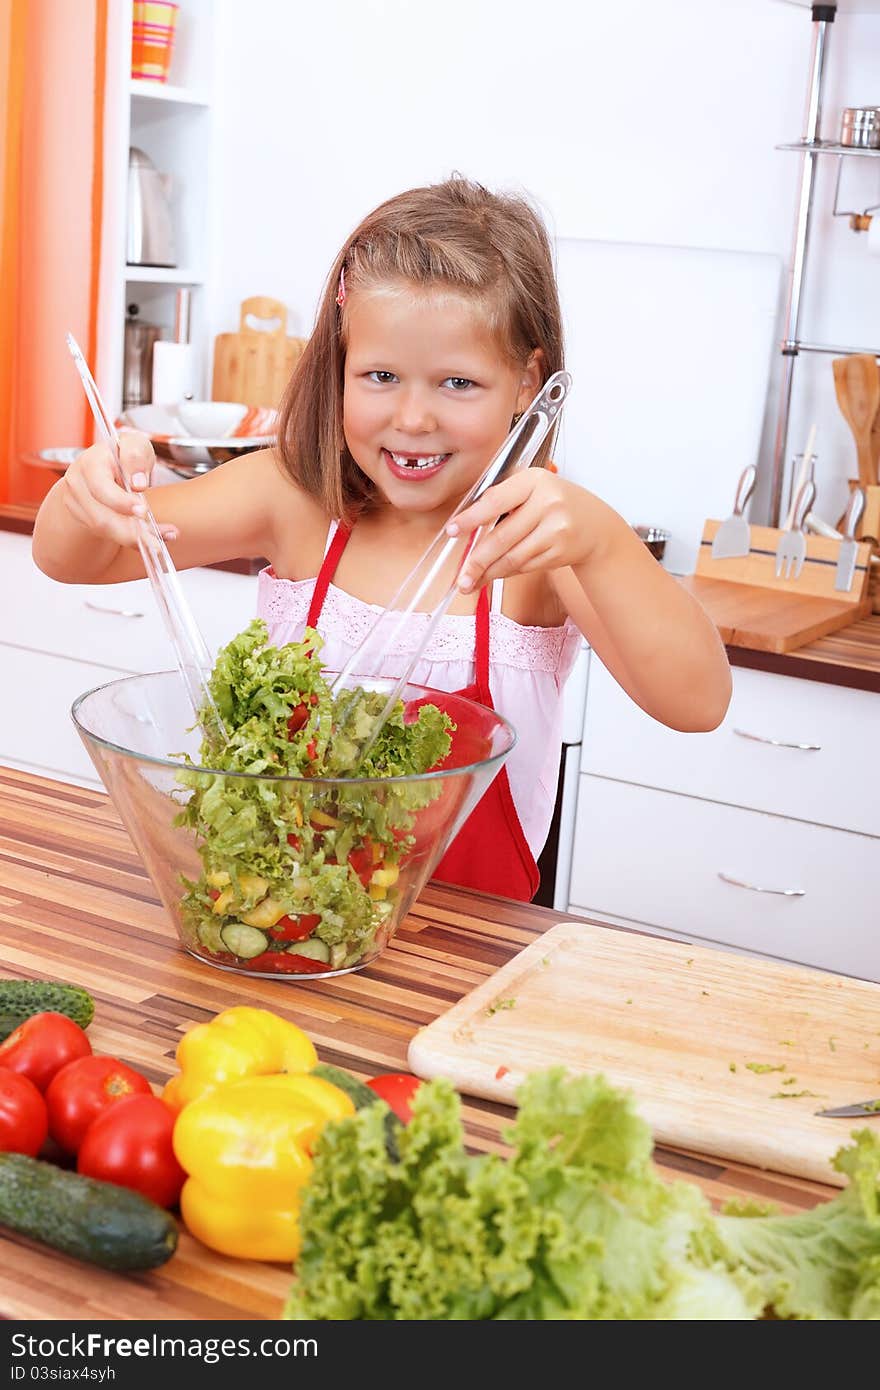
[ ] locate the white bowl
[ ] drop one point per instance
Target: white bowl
(209, 419)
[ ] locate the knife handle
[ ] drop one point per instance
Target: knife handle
(744, 489)
(854, 508)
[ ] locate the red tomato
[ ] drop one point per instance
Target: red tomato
(129, 1143)
(82, 1089)
(295, 928)
(285, 963)
(397, 1089)
(23, 1120)
(361, 859)
(42, 1045)
(298, 716)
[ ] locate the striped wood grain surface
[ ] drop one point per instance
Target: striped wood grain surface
(850, 657)
(76, 905)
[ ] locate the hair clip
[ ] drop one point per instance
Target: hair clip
(340, 293)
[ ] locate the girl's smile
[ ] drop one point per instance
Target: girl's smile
(414, 467)
(428, 393)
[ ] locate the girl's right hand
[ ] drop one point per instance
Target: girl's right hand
(95, 497)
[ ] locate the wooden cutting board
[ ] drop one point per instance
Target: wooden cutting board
(254, 365)
(688, 1029)
(768, 620)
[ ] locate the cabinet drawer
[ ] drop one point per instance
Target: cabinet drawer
(36, 730)
(655, 857)
(793, 747)
(50, 617)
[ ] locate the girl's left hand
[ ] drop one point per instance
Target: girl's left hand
(546, 525)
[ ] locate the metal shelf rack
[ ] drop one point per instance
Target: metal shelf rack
(811, 147)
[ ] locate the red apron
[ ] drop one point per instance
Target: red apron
(490, 852)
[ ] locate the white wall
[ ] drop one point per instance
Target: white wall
(634, 121)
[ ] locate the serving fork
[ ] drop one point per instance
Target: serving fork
(189, 646)
(792, 548)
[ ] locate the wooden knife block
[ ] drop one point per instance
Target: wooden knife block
(752, 608)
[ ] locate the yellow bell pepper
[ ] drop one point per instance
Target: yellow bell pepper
(246, 1148)
(238, 1043)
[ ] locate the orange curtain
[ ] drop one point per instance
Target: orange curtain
(52, 79)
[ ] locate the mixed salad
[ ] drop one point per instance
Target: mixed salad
(296, 878)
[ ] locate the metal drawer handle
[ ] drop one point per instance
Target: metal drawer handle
(117, 612)
(778, 742)
(754, 888)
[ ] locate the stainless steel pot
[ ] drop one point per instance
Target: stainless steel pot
(860, 127)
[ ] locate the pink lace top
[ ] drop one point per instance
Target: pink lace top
(528, 670)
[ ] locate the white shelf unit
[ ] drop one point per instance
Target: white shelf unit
(141, 90)
(172, 123)
(811, 147)
(161, 275)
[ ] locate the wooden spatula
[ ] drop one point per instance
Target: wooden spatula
(857, 383)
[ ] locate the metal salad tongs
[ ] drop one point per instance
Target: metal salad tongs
(444, 553)
(190, 648)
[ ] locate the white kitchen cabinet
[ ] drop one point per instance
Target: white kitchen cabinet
(788, 746)
(36, 730)
(782, 808)
(59, 640)
(790, 889)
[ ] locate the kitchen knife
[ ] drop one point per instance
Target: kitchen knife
(869, 1108)
(848, 548)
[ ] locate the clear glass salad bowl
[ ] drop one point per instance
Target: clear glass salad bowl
(281, 876)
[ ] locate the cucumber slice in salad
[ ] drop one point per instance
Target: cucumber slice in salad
(312, 949)
(243, 941)
(209, 937)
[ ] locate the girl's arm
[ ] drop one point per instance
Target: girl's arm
(85, 531)
(654, 637)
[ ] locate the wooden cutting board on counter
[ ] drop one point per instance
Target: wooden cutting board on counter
(726, 1054)
(254, 365)
(766, 620)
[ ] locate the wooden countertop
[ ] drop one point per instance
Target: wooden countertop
(76, 905)
(850, 657)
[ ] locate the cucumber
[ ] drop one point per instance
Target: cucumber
(243, 941)
(356, 1090)
(9, 1023)
(361, 1095)
(314, 949)
(22, 998)
(209, 937)
(93, 1221)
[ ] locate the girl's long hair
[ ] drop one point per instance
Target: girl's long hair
(491, 248)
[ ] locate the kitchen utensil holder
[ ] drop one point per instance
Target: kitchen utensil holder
(816, 579)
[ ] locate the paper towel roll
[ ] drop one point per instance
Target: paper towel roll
(873, 236)
(173, 372)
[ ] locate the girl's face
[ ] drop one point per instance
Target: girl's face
(428, 394)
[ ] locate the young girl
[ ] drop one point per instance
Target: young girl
(439, 323)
